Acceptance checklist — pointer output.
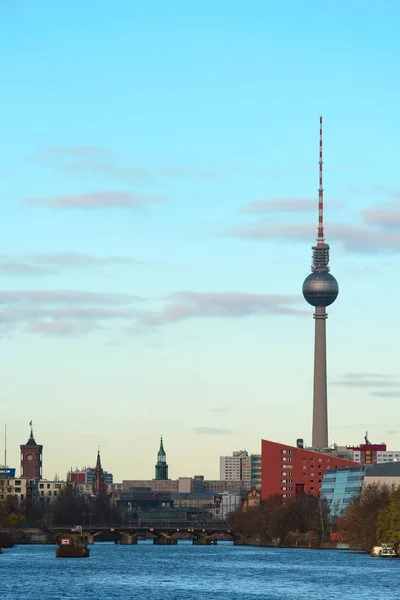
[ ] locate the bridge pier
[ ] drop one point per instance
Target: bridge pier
(128, 539)
(202, 540)
(165, 540)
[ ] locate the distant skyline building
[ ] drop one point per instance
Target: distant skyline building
(256, 470)
(320, 289)
(369, 454)
(241, 466)
(236, 467)
(87, 476)
(161, 469)
(387, 474)
(197, 483)
(91, 480)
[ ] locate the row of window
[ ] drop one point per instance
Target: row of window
(56, 485)
(312, 473)
(3, 497)
(43, 500)
(312, 467)
(388, 456)
(344, 501)
(320, 460)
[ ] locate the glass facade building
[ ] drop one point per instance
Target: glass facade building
(255, 476)
(340, 486)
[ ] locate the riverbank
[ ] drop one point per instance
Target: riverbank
(323, 546)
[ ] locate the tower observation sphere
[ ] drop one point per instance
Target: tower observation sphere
(320, 289)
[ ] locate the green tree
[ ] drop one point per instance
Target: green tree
(358, 526)
(67, 509)
(281, 523)
(15, 519)
(101, 508)
(388, 522)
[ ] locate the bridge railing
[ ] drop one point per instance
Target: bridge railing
(215, 525)
(182, 526)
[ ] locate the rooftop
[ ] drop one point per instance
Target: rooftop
(390, 469)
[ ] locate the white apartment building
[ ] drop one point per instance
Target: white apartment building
(43, 490)
(241, 467)
(12, 486)
(382, 456)
(48, 491)
(236, 467)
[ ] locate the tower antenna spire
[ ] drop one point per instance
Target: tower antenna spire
(320, 238)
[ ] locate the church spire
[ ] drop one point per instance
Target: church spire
(161, 451)
(31, 441)
(98, 475)
(98, 462)
(161, 466)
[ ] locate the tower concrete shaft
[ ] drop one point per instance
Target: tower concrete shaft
(320, 289)
(320, 402)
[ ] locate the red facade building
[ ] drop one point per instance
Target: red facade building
(289, 470)
(78, 477)
(31, 458)
(367, 454)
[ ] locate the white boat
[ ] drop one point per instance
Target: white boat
(383, 551)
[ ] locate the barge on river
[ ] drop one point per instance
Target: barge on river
(70, 546)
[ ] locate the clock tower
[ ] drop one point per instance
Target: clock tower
(31, 458)
(161, 466)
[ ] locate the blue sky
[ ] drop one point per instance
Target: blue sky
(158, 195)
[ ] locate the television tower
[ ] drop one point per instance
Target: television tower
(320, 289)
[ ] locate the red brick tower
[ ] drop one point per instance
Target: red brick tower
(31, 458)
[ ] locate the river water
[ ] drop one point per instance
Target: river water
(187, 572)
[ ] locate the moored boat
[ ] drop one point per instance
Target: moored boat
(70, 546)
(6, 540)
(383, 551)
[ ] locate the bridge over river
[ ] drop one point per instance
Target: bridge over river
(161, 532)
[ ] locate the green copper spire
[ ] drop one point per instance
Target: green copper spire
(161, 451)
(161, 466)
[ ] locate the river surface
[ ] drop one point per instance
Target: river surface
(187, 572)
